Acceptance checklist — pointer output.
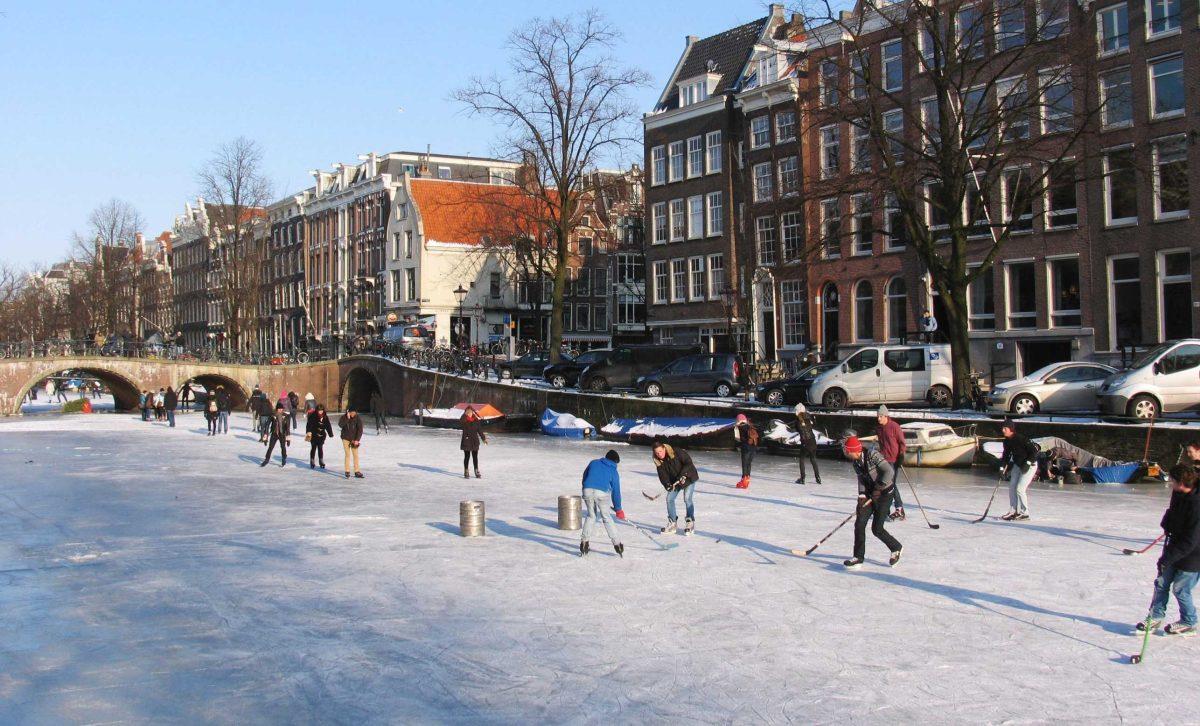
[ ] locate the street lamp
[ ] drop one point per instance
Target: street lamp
(461, 294)
(728, 299)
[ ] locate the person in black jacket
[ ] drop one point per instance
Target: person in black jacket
(211, 412)
(185, 396)
(224, 405)
(875, 476)
(317, 429)
(170, 403)
(1179, 566)
(281, 431)
(379, 408)
(294, 400)
(1019, 463)
(808, 443)
(472, 434)
(677, 473)
(351, 427)
(260, 413)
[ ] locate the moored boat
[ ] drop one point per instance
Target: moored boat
(493, 420)
(689, 433)
(937, 445)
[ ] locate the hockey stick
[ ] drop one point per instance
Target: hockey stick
(1138, 657)
(810, 550)
(661, 546)
(989, 504)
(1145, 549)
(920, 506)
(651, 498)
(1146, 451)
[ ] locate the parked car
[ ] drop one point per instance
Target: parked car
(718, 373)
(790, 390)
(624, 365)
(887, 374)
(529, 365)
(1069, 386)
(412, 336)
(566, 372)
(1166, 379)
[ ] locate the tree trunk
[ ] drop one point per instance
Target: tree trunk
(957, 332)
(556, 299)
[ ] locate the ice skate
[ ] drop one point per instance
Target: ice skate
(1140, 628)
(358, 475)
(1022, 517)
(689, 527)
(669, 529)
(853, 563)
(1009, 517)
(743, 483)
(898, 515)
(1183, 631)
(584, 547)
(478, 475)
(466, 474)
(620, 548)
(895, 558)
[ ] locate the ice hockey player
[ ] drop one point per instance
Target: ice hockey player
(808, 443)
(1018, 461)
(874, 496)
(892, 446)
(677, 473)
(745, 438)
(600, 482)
(1179, 566)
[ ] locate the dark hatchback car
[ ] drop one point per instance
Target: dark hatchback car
(719, 373)
(566, 372)
(624, 365)
(791, 390)
(529, 365)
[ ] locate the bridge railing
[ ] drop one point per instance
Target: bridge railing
(154, 351)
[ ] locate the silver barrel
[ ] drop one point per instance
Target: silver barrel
(471, 518)
(570, 512)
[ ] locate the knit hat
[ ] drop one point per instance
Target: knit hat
(613, 456)
(279, 406)
(1008, 423)
(852, 445)
(883, 411)
(799, 408)
(741, 418)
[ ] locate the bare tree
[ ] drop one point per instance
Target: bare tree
(565, 106)
(986, 110)
(236, 192)
(103, 291)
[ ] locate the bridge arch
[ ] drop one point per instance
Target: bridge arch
(125, 391)
(361, 383)
(238, 395)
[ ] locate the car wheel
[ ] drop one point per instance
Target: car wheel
(599, 384)
(558, 381)
(505, 373)
(724, 389)
(1024, 405)
(1143, 407)
(834, 398)
(653, 389)
(775, 397)
(940, 397)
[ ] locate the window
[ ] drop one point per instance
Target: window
(1052, 18)
(936, 215)
(831, 229)
(1171, 196)
(1022, 295)
(930, 52)
(696, 277)
(679, 280)
(1058, 100)
(905, 360)
(893, 65)
(791, 224)
(976, 124)
(893, 128)
(583, 315)
(764, 240)
(1062, 209)
(585, 247)
(566, 317)
(716, 276)
(1162, 16)
(1120, 187)
(494, 284)
(863, 222)
(863, 360)
(1175, 291)
(860, 145)
(443, 172)
(791, 299)
(658, 165)
(785, 126)
(677, 161)
(410, 284)
(695, 217)
(969, 29)
(829, 83)
(789, 176)
(660, 281)
(583, 282)
(1116, 98)
(768, 69)
(713, 144)
(397, 285)
(600, 318)
(762, 182)
(694, 92)
(897, 308)
(1013, 104)
(1010, 24)
(716, 214)
(659, 231)
(678, 220)
(830, 150)
(864, 311)
(630, 268)
(628, 310)
(600, 282)
(1113, 26)
(1064, 293)
(931, 123)
(1166, 87)
(1016, 192)
(1125, 300)
(695, 156)
(858, 75)
(893, 221)
(760, 132)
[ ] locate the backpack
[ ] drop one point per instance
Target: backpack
(212, 406)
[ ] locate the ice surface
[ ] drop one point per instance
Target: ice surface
(157, 575)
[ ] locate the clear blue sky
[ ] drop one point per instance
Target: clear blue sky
(128, 100)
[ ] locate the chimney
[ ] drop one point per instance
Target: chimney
(341, 174)
(320, 178)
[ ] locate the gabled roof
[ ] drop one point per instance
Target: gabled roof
(724, 53)
(466, 212)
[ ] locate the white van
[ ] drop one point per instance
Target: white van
(887, 374)
(1166, 379)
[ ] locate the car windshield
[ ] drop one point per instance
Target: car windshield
(1044, 371)
(590, 357)
(813, 371)
(1149, 356)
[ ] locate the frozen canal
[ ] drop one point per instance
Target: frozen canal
(157, 575)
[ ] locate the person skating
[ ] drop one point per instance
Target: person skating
(281, 431)
(224, 406)
(874, 475)
(745, 438)
(317, 429)
(351, 427)
(185, 396)
(294, 405)
(310, 403)
(1018, 462)
(1179, 565)
(677, 473)
(472, 435)
(255, 407)
(160, 405)
(170, 403)
(601, 481)
(147, 402)
(379, 409)
(808, 443)
(892, 446)
(211, 412)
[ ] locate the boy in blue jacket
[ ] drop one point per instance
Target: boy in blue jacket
(600, 481)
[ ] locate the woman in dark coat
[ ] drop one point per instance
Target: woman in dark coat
(472, 434)
(318, 428)
(211, 412)
(808, 443)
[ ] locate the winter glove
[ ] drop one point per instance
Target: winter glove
(862, 500)
(620, 514)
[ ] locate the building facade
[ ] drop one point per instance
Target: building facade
(287, 322)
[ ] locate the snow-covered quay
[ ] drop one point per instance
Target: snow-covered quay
(158, 575)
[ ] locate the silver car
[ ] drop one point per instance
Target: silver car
(1068, 386)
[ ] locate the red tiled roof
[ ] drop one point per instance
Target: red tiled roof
(466, 212)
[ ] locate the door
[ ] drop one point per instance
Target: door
(1073, 388)
(1041, 353)
(703, 378)
(905, 375)
(673, 377)
(1178, 378)
(863, 379)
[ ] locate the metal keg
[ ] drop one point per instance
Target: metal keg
(470, 518)
(570, 512)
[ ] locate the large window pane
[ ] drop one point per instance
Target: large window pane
(1126, 300)
(1120, 186)
(864, 311)
(1064, 293)
(1022, 295)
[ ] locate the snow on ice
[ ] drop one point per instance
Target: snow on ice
(161, 575)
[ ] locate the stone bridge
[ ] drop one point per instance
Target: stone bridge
(127, 376)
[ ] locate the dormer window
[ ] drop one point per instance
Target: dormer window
(697, 89)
